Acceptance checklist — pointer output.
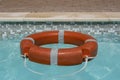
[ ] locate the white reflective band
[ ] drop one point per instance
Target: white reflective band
(29, 38)
(61, 36)
(54, 56)
(90, 40)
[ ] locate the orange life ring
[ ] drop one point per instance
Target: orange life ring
(86, 46)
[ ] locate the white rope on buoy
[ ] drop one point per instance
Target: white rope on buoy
(81, 69)
(29, 38)
(29, 69)
(39, 73)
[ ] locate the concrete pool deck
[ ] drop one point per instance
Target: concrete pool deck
(63, 10)
(59, 5)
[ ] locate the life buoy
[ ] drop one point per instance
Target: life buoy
(86, 46)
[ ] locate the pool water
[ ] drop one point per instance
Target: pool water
(105, 66)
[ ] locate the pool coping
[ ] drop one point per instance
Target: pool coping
(59, 16)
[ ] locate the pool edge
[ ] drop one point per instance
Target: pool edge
(59, 16)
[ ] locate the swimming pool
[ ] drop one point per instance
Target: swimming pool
(104, 67)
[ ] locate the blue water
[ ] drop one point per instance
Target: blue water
(105, 66)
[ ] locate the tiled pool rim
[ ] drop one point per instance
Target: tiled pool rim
(18, 30)
(59, 16)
